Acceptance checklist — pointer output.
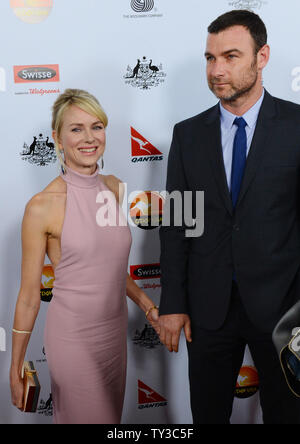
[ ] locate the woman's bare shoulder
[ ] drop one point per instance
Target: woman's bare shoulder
(41, 202)
(111, 181)
(58, 185)
(114, 184)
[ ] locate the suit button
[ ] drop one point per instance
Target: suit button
(236, 227)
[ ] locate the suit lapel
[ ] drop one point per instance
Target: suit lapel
(263, 127)
(216, 155)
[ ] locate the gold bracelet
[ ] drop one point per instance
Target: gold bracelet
(150, 309)
(22, 332)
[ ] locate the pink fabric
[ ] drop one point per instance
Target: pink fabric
(86, 326)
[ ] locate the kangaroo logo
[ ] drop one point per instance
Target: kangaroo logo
(46, 407)
(39, 152)
(141, 146)
(148, 396)
(147, 338)
(144, 75)
(142, 5)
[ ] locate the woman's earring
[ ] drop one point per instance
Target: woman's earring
(62, 168)
(102, 163)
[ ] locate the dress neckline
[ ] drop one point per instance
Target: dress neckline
(80, 180)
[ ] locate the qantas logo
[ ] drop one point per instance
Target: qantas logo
(142, 150)
(149, 398)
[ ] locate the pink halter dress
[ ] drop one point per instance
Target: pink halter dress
(86, 326)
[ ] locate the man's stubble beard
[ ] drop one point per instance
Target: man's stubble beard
(243, 89)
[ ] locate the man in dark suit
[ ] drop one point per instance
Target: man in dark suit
(229, 287)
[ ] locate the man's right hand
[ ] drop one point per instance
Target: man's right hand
(170, 329)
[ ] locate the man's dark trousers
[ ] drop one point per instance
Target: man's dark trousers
(215, 359)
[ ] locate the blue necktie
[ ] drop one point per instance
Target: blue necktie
(238, 159)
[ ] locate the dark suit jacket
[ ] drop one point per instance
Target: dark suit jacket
(259, 241)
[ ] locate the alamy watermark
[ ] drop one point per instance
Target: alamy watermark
(296, 80)
(153, 209)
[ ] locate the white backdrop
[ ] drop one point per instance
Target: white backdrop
(95, 45)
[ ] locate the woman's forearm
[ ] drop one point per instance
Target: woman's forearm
(27, 309)
(137, 295)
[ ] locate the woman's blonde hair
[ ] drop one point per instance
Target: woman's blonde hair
(85, 101)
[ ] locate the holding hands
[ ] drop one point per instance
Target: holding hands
(168, 327)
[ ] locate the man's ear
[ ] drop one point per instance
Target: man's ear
(263, 56)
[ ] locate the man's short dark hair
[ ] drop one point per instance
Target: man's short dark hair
(245, 18)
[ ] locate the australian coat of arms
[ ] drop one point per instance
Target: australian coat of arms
(145, 74)
(40, 152)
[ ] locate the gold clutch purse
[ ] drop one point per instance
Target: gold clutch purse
(31, 387)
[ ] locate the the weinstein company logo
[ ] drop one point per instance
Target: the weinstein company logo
(142, 5)
(143, 9)
(145, 74)
(142, 150)
(39, 152)
(247, 4)
(148, 398)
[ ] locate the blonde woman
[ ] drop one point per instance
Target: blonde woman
(86, 327)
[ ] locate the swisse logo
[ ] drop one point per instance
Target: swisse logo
(146, 271)
(38, 73)
(2, 340)
(142, 5)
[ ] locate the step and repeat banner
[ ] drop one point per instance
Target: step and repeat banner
(144, 61)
